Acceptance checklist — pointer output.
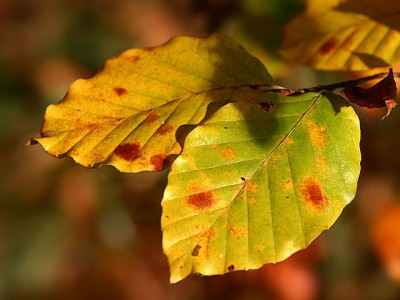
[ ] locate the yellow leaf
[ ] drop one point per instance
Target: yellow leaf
(128, 114)
(345, 35)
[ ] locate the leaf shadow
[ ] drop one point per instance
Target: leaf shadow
(259, 116)
(224, 72)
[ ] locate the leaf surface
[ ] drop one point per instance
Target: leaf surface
(257, 182)
(128, 115)
(345, 35)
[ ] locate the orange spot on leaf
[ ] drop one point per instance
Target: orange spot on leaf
(228, 153)
(329, 46)
(120, 91)
(311, 192)
(289, 141)
(322, 164)
(260, 247)
(164, 129)
(317, 134)
(158, 161)
(251, 187)
(288, 184)
(128, 151)
(236, 231)
(251, 201)
(200, 200)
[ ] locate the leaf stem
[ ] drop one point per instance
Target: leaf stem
(329, 87)
(349, 83)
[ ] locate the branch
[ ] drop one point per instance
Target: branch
(329, 87)
(381, 94)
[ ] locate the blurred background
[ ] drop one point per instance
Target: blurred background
(67, 232)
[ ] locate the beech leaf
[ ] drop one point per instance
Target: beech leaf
(345, 35)
(256, 183)
(380, 95)
(128, 114)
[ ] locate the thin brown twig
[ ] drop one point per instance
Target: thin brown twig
(328, 87)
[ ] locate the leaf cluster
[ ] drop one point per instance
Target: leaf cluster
(257, 171)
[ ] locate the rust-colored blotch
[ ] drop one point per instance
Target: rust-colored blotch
(135, 58)
(329, 46)
(128, 151)
(312, 193)
(152, 118)
(158, 161)
(164, 129)
(120, 91)
(201, 200)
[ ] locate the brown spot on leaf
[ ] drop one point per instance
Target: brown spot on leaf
(128, 151)
(317, 134)
(200, 200)
(196, 250)
(151, 118)
(312, 193)
(236, 231)
(329, 46)
(164, 129)
(231, 268)
(265, 106)
(120, 91)
(158, 161)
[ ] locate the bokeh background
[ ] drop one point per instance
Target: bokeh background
(67, 232)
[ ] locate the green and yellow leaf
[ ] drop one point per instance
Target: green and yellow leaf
(345, 35)
(258, 182)
(128, 115)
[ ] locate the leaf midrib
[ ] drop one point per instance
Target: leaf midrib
(265, 161)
